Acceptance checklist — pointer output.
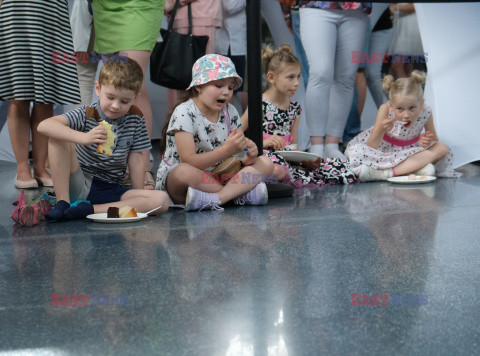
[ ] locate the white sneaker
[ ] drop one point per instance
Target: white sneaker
(256, 196)
(428, 170)
(368, 174)
(198, 200)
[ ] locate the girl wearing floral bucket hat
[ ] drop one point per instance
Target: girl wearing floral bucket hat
(203, 131)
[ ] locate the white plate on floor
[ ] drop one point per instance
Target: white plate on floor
(102, 218)
(405, 180)
(297, 156)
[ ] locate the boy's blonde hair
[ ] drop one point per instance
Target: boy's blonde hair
(276, 61)
(123, 73)
(405, 86)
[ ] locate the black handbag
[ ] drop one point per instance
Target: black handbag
(172, 59)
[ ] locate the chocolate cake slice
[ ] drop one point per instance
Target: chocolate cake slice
(113, 212)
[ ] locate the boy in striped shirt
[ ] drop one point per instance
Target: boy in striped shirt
(79, 172)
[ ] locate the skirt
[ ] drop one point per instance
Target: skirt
(34, 34)
(126, 25)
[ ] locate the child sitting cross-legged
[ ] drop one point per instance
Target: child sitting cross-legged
(203, 131)
(84, 171)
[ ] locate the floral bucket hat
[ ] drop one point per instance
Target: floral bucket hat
(213, 67)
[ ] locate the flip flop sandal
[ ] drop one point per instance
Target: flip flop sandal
(148, 182)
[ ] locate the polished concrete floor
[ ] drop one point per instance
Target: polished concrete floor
(284, 279)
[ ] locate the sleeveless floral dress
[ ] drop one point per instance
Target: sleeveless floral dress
(330, 171)
(397, 145)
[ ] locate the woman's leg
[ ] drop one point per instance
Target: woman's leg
(40, 112)
(86, 79)
(143, 102)
(379, 42)
(18, 119)
(350, 37)
(421, 159)
(320, 52)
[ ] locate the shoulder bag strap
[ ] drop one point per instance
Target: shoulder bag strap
(190, 19)
(172, 17)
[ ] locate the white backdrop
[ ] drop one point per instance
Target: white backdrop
(451, 38)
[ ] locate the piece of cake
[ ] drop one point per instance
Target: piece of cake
(127, 212)
(113, 212)
(107, 147)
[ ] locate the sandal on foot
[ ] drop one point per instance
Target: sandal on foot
(149, 184)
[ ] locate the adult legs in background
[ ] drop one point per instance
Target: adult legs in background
(302, 56)
(20, 124)
(40, 112)
(320, 52)
(399, 68)
(361, 86)
(143, 102)
(350, 37)
(18, 119)
(379, 42)
(331, 73)
(352, 128)
(86, 79)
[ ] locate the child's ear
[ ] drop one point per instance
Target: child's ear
(271, 77)
(97, 88)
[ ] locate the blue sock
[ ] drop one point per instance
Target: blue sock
(78, 212)
(58, 211)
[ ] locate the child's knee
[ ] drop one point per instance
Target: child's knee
(161, 199)
(441, 150)
(185, 174)
(280, 171)
(266, 165)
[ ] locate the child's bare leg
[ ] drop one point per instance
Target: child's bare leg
(184, 176)
(63, 161)
(141, 200)
(421, 159)
(280, 171)
(238, 185)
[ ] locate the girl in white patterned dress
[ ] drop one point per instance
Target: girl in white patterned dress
(281, 118)
(395, 145)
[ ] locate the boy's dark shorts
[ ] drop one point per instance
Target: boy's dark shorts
(102, 192)
(97, 191)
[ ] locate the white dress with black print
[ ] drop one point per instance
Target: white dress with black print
(330, 171)
(397, 149)
(207, 135)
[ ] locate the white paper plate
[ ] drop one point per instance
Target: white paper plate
(102, 218)
(297, 156)
(405, 180)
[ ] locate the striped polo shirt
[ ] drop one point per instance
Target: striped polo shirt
(131, 134)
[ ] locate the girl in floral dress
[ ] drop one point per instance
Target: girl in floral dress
(281, 121)
(395, 145)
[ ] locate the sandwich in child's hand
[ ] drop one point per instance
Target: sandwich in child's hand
(107, 147)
